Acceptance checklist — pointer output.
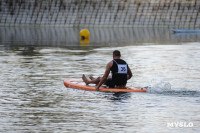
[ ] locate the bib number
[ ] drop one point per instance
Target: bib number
(122, 69)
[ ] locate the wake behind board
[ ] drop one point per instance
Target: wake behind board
(79, 84)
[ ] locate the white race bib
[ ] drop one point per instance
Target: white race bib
(122, 69)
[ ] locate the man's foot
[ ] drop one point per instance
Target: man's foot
(85, 79)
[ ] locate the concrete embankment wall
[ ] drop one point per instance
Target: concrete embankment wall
(100, 13)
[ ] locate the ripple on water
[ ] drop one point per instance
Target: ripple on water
(34, 99)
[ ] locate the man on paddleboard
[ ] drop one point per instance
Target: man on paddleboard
(120, 73)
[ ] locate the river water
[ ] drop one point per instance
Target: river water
(35, 61)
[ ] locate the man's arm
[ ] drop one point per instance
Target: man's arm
(107, 71)
(129, 73)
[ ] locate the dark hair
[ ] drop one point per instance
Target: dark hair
(116, 53)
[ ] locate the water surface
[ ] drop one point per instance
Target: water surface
(34, 63)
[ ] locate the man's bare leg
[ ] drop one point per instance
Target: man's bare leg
(93, 81)
(91, 77)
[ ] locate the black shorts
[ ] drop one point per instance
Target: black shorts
(110, 83)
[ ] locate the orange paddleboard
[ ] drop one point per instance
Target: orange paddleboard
(79, 84)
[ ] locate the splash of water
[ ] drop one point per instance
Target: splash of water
(162, 86)
(165, 88)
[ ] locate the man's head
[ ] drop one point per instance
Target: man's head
(116, 53)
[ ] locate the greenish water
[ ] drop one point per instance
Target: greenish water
(34, 63)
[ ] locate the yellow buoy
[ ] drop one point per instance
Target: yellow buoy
(84, 34)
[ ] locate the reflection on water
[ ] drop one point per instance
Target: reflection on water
(34, 63)
(62, 37)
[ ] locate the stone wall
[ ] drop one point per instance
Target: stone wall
(100, 13)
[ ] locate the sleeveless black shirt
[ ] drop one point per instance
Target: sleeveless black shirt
(119, 71)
